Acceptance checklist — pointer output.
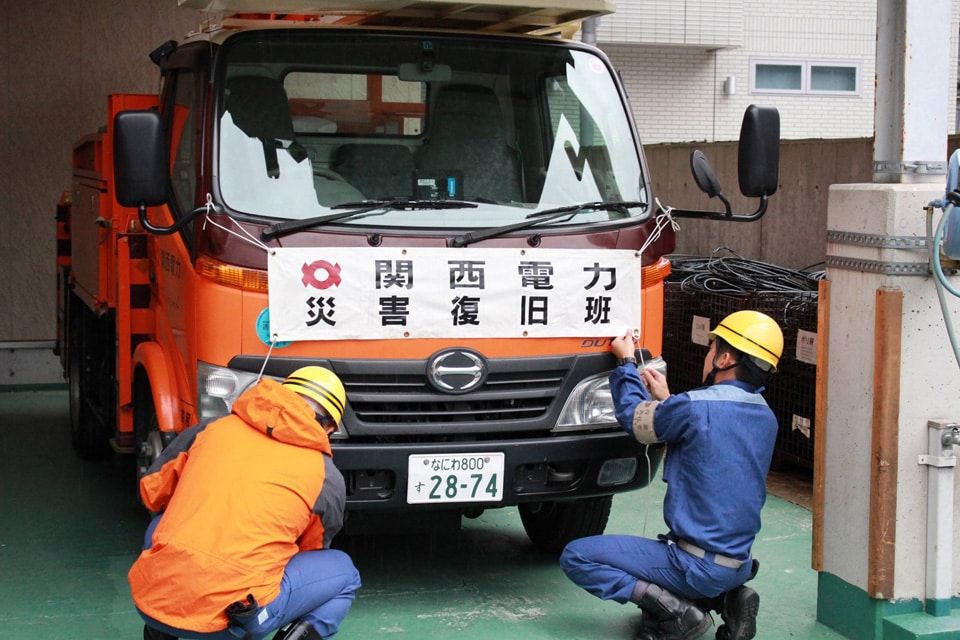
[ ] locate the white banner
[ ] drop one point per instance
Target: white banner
(335, 293)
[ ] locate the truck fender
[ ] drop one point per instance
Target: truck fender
(150, 357)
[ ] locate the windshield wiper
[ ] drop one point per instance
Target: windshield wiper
(356, 209)
(543, 216)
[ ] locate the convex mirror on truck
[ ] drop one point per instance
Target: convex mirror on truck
(758, 167)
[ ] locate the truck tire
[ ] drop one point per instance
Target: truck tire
(89, 429)
(551, 525)
(146, 427)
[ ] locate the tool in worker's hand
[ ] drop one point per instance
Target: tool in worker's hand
(637, 349)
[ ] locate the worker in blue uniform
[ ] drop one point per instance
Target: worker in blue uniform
(720, 440)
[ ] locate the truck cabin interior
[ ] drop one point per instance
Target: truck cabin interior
(502, 123)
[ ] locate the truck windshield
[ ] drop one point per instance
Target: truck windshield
(313, 120)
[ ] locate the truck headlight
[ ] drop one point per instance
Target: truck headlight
(590, 406)
(218, 387)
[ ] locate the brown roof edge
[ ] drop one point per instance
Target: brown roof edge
(543, 17)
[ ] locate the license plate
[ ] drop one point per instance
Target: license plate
(455, 477)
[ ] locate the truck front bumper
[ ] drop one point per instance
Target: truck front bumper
(535, 469)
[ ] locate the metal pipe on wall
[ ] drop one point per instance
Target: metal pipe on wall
(942, 436)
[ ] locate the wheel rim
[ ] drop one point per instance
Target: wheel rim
(150, 450)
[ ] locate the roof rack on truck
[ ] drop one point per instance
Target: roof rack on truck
(537, 17)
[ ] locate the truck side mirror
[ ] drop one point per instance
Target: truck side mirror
(140, 159)
(758, 166)
(141, 162)
(758, 159)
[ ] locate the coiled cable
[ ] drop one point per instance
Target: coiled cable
(738, 276)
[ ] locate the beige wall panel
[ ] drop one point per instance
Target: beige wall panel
(59, 59)
(42, 83)
(6, 179)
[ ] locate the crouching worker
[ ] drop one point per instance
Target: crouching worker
(720, 439)
(249, 504)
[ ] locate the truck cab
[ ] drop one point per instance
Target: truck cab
(449, 209)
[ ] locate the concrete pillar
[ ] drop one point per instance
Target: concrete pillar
(911, 117)
(888, 369)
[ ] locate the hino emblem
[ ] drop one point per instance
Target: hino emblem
(456, 371)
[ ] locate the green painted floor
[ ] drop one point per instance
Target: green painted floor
(69, 531)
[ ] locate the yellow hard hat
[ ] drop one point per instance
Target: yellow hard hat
(321, 385)
(755, 334)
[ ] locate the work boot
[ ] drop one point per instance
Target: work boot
(654, 630)
(710, 604)
(754, 569)
(649, 628)
(298, 630)
(740, 607)
(149, 633)
(679, 619)
(649, 633)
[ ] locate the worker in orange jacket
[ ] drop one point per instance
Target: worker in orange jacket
(249, 504)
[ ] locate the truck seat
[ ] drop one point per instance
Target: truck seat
(380, 171)
(259, 107)
(467, 135)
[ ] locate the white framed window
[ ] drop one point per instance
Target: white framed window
(821, 77)
(834, 78)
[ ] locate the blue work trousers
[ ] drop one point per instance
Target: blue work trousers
(317, 585)
(608, 566)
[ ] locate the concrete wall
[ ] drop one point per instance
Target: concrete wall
(30, 364)
(59, 59)
(923, 387)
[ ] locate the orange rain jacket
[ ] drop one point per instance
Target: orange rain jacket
(240, 496)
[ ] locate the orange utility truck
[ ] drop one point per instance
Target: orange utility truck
(446, 203)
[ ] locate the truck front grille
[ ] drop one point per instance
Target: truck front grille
(517, 395)
(514, 390)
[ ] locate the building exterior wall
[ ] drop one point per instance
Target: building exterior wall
(676, 82)
(706, 24)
